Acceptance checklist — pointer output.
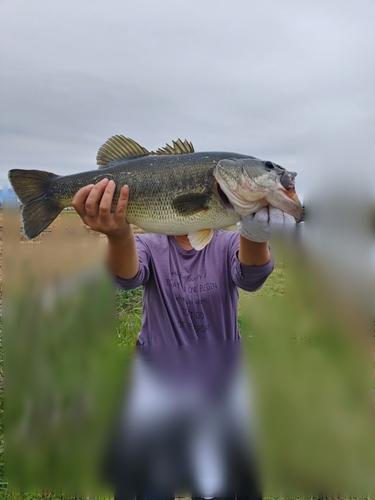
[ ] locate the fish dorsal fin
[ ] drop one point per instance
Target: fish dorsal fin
(117, 147)
(178, 148)
(191, 203)
(199, 239)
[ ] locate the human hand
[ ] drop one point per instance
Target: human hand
(93, 204)
(256, 227)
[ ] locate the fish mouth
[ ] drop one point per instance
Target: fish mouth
(287, 201)
(287, 181)
(242, 187)
(223, 197)
(298, 210)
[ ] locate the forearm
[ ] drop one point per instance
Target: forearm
(122, 256)
(252, 253)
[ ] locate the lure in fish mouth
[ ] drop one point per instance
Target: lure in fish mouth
(250, 184)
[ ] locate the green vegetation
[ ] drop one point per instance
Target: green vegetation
(128, 316)
(289, 343)
(65, 369)
(273, 287)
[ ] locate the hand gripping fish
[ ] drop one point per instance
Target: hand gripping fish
(171, 191)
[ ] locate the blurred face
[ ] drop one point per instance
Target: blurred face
(183, 241)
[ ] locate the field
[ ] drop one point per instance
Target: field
(308, 371)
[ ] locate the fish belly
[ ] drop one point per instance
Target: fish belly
(163, 219)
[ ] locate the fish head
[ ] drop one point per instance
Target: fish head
(250, 184)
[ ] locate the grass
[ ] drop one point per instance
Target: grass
(289, 342)
(128, 324)
(128, 316)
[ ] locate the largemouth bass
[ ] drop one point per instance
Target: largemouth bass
(171, 191)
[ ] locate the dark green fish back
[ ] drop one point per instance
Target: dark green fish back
(169, 193)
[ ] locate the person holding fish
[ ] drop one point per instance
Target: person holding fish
(184, 425)
(190, 305)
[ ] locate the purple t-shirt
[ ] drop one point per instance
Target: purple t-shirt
(189, 331)
(191, 296)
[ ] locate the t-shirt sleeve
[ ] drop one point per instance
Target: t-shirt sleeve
(249, 278)
(143, 274)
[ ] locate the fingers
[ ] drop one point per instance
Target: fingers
(80, 198)
(93, 204)
(94, 198)
(270, 215)
(105, 202)
(248, 219)
(276, 215)
(289, 219)
(262, 216)
(122, 205)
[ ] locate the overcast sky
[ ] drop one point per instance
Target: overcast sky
(270, 79)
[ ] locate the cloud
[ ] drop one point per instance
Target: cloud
(258, 78)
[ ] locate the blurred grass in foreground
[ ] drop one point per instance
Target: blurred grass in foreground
(128, 316)
(310, 353)
(312, 377)
(64, 373)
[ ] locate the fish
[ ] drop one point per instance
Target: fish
(173, 190)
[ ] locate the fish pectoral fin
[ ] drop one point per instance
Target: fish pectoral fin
(199, 239)
(191, 203)
(117, 147)
(179, 148)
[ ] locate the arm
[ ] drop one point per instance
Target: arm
(251, 263)
(252, 253)
(255, 234)
(93, 205)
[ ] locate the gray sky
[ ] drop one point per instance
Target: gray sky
(271, 79)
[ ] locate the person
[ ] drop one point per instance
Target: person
(181, 426)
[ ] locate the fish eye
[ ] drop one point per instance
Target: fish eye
(269, 164)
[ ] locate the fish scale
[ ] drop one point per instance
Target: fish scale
(173, 191)
(150, 196)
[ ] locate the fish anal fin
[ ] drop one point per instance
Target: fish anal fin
(117, 147)
(179, 148)
(199, 239)
(191, 203)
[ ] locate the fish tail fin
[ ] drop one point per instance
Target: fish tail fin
(32, 188)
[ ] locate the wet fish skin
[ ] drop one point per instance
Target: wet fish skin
(155, 182)
(251, 184)
(169, 193)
